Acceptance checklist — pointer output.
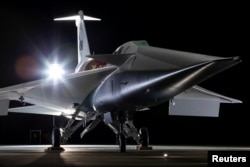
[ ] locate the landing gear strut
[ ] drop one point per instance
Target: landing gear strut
(55, 137)
(122, 138)
(122, 142)
(144, 140)
(144, 137)
(124, 128)
(55, 141)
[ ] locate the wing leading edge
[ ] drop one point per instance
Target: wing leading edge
(53, 98)
(35, 110)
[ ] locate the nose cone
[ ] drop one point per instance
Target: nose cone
(180, 80)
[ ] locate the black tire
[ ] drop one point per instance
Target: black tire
(122, 143)
(56, 137)
(144, 137)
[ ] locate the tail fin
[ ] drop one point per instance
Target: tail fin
(82, 39)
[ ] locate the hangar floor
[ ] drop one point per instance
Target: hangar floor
(100, 155)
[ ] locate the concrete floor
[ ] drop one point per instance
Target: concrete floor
(100, 155)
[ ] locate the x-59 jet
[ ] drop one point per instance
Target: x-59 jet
(112, 87)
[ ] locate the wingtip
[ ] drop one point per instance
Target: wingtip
(237, 58)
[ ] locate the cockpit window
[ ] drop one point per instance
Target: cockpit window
(130, 47)
(141, 43)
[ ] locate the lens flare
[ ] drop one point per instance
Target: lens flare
(55, 71)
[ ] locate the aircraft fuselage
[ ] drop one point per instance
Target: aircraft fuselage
(132, 90)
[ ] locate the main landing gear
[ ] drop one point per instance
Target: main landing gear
(144, 137)
(127, 129)
(122, 143)
(55, 141)
(142, 140)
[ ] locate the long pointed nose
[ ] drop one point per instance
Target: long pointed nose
(160, 86)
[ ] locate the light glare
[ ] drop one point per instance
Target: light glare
(55, 71)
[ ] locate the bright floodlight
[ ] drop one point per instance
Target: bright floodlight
(55, 71)
(165, 155)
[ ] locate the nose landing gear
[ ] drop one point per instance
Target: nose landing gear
(144, 140)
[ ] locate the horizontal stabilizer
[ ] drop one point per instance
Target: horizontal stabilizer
(77, 17)
(114, 59)
(198, 101)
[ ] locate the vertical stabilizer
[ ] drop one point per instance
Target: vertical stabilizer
(82, 39)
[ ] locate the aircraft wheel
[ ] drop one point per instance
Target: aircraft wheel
(122, 143)
(144, 137)
(55, 137)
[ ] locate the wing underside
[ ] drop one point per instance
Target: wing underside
(198, 101)
(35, 110)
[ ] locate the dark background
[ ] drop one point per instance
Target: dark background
(28, 30)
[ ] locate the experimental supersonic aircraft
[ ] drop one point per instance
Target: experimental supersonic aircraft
(112, 87)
